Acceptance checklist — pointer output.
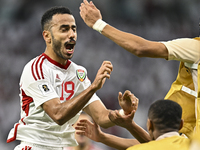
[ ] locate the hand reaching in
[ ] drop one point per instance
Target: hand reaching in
(128, 102)
(89, 129)
(121, 120)
(89, 13)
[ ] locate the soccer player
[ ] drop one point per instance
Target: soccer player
(185, 89)
(54, 90)
(163, 123)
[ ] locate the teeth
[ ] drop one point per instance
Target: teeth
(70, 50)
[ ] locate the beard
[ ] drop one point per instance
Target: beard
(57, 46)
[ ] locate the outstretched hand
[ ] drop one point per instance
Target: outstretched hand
(103, 73)
(121, 120)
(128, 102)
(89, 129)
(89, 13)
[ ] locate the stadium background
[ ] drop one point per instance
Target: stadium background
(149, 79)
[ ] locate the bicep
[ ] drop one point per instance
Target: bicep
(154, 50)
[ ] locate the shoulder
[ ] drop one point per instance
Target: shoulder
(76, 66)
(78, 69)
(183, 41)
(176, 142)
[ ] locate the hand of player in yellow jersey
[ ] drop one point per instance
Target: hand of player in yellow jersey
(89, 129)
(128, 102)
(89, 13)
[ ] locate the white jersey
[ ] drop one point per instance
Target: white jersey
(44, 79)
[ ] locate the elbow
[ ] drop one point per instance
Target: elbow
(59, 119)
(139, 51)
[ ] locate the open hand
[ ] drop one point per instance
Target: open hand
(89, 13)
(89, 129)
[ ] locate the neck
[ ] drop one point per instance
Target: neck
(157, 134)
(54, 57)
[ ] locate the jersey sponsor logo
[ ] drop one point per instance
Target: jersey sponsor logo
(45, 88)
(81, 74)
(57, 77)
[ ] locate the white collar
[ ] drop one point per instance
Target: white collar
(168, 134)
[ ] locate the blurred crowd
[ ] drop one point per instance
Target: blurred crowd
(149, 79)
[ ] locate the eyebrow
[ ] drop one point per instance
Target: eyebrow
(67, 26)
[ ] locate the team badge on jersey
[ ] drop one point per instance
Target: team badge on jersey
(81, 74)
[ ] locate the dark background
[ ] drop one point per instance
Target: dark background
(149, 79)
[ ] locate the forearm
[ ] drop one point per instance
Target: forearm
(135, 44)
(139, 133)
(62, 112)
(99, 114)
(104, 120)
(117, 142)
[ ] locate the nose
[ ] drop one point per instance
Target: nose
(72, 33)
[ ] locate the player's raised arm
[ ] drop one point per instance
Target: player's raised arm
(132, 43)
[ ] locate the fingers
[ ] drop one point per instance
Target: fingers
(120, 96)
(106, 69)
(85, 2)
(127, 94)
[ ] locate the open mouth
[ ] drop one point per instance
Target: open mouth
(70, 45)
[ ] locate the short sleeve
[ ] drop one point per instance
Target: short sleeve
(184, 49)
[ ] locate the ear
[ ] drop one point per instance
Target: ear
(47, 36)
(181, 124)
(150, 126)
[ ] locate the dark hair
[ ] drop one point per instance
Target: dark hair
(47, 16)
(165, 114)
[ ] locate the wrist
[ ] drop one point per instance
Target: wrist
(99, 25)
(102, 137)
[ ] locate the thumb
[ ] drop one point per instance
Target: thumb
(132, 114)
(120, 96)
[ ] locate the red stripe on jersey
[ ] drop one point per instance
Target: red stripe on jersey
(26, 100)
(22, 120)
(38, 68)
(41, 67)
(33, 70)
(15, 134)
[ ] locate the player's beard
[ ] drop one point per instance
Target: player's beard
(57, 46)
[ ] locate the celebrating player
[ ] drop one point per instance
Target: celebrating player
(54, 90)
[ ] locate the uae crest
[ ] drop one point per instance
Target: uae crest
(81, 75)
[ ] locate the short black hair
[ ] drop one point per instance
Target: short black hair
(165, 114)
(47, 16)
